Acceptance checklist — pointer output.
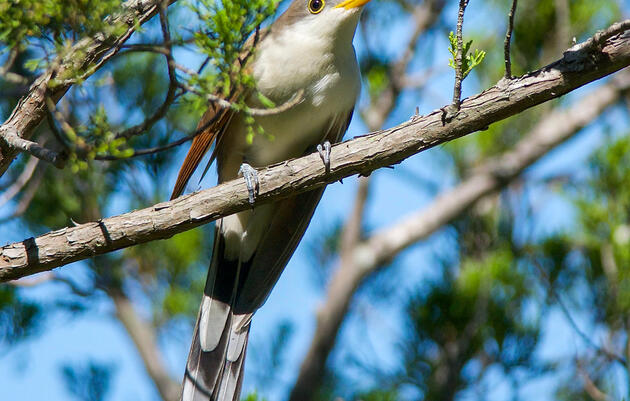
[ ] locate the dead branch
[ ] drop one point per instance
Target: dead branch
(358, 156)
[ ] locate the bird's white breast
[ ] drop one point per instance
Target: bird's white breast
(303, 57)
(307, 56)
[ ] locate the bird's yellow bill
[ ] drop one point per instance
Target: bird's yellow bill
(348, 4)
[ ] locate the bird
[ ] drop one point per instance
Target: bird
(307, 54)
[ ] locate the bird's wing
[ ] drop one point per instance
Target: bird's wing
(287, 226)
(212, 125)
(215, 121)
(235, 289)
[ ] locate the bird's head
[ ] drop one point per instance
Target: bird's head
(335, 18)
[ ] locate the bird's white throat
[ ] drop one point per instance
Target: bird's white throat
(314, 55)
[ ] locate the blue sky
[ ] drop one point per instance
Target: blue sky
(30, 371)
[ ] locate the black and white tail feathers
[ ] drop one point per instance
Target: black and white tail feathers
(234, 291)
(214, 370)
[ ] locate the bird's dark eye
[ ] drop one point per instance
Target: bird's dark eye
(315, 6)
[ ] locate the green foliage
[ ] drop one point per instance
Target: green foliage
(469, 61)
(253, 397)
(25, 20)
(225, 27)
(379, 395)
(375, 74)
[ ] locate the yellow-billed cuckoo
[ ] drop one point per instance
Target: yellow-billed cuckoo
(308, 51)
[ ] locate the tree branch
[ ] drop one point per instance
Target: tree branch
(143, 337)
(358, 156)
(384, 245)
(508, 41)
(459, 74)
(20, 182)
(87, 55)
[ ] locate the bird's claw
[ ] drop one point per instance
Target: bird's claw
(251, 180)
(324, 153)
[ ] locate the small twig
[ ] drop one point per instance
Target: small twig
(457, 90)
(143, 48)
(225, 104)
(150, 151)
(294, 101)
(508, 40)
(10, 136)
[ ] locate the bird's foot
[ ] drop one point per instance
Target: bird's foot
(324, 153)
(251, 180)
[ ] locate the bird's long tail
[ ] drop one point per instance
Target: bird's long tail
(214, 370)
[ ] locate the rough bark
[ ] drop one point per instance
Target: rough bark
(580, 65)
(381, 247)
(85, 57)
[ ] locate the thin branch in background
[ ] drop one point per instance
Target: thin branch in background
(143, 48)
(589, 385)
(28, 193)
(352, 230)
(508, 40)
(20, 182)
(33, 148)
(425, 15)
(52, 125)
(153, 150)
(562, 24)
(144, 337)
(565, 311)
(171, 93)
(459, 74)
(67, 136)
(9, 76)
(226, 104)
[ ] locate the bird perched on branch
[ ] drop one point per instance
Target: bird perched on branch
(305, 55)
